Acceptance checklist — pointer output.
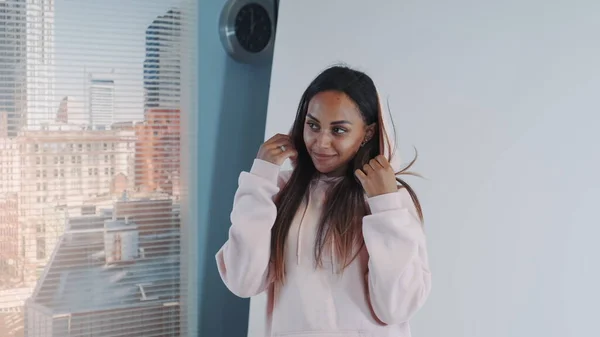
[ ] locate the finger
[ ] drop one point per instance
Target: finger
(279, 147)
(278, 151)
(375, 164)
(274, 137)
(367, 168)
(294, 159)
(281, 141)
(283, 151)
(277, 138)
(281, 157)
(290, 153)
(361, 176)
(273, 145)
(382, 161)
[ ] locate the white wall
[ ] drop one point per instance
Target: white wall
(501, 99)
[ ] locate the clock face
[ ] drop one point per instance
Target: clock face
(253, 27)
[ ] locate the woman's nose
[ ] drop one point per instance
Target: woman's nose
(324, 140)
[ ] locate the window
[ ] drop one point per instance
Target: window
(41, 248)
(79, 163)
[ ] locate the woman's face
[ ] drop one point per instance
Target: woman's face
(333, 131)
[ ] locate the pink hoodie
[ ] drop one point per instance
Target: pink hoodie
(375, 296)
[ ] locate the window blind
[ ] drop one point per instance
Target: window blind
(90, 196)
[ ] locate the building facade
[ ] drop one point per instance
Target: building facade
(162, 74)
(52, 170)
(114, 272)
(101, 102)
(157, 152)
(27, 64)
(158, 146)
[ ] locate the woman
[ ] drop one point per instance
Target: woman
(337, 242)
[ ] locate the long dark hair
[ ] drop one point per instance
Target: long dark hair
(345, 205)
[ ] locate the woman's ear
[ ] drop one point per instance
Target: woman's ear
(370, 132)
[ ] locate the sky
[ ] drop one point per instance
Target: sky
(103, 37)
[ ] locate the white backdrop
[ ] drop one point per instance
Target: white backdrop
(501, 98)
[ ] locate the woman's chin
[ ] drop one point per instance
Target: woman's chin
(329, 169)
(323, 169)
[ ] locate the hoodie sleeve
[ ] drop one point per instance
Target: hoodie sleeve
(399, 280)
(243, 261)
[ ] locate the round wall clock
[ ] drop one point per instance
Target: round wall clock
(247, 29)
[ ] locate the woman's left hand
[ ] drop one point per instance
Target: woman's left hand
(377, 177)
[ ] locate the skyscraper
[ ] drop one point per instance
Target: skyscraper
(13, 71)
(158, 146)
(162, 76)
(102, 102)
(26, 63)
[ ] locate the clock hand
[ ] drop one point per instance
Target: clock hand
(251, 20)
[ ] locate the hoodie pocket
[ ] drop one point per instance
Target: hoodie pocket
(346, 333)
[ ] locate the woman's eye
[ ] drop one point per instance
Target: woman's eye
(312, 125)
(339, 131)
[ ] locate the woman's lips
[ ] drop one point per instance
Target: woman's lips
(323, 157)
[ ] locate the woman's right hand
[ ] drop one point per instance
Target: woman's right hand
(277, 149)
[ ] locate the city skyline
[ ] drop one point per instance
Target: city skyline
(96, 145)
(85, 44)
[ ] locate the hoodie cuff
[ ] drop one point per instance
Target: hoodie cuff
(385, 202)
(265, 169)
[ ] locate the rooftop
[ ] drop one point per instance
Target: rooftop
(78, 278)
